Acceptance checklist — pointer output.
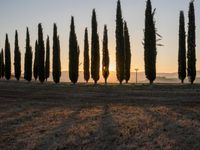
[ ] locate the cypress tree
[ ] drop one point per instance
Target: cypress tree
(56, 56)
(119, 44)
(86, 57)
(73, 54)
(127, 53)
(2, 64)
(182, 48)
(35, 67)
(17, 58)
(7, 59)
(191, 44)
(28, 59)
(105, 60)
(95, 56)
(41, 51)
(47, 63)
(150, 44)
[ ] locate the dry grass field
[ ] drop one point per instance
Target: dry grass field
(61, 117)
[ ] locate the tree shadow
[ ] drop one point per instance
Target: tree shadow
(183, 137)
(58, 134)
(11, 130)
(9, 126)
(187, 112)
(108, 134)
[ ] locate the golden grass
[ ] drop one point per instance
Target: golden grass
(88, 117)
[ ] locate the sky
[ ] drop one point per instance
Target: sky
(19, 14)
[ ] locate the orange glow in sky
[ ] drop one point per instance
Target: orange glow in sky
(29, 13)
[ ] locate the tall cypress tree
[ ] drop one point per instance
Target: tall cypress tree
(7, 59)
(41, 51)
(105, 60)
(191, 44)
(2, 64)
(17, 58)
(119, 44)
(47, 63)
(150, 44)
(73, 54)
(95, 56)
(127, 53)
(56, 56)
(182, 49)
(28, 59)
(35, 66)
(86, 66)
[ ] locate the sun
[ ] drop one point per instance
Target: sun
(112, 67)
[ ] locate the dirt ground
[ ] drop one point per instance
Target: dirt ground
(111, 117)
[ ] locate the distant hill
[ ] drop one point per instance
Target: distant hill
(161, 77)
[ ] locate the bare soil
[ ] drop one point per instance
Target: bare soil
(112, 117)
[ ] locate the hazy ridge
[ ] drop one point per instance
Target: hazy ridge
(161, 77)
